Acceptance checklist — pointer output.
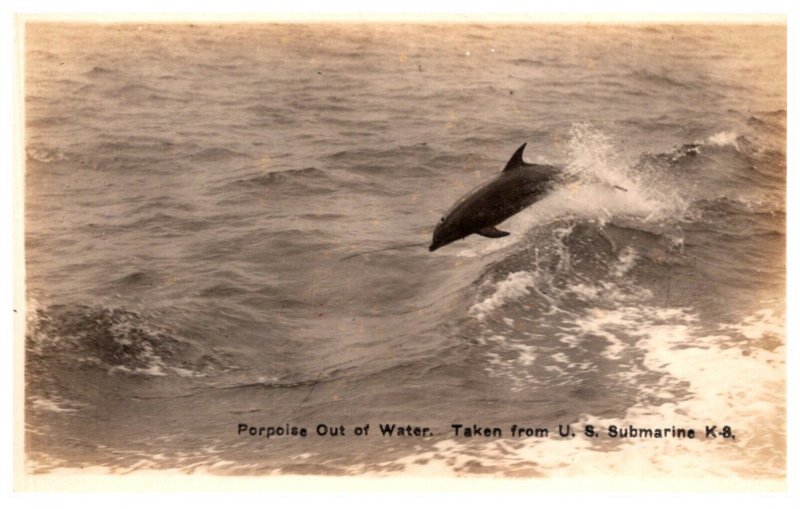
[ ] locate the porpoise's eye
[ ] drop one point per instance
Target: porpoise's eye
(442, 220)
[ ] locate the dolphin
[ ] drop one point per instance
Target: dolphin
(518, 186)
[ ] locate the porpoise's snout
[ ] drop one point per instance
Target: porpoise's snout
(436, 241)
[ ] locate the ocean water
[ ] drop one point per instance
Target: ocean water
(195, 193)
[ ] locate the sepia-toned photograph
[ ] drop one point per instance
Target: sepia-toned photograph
(422, 248)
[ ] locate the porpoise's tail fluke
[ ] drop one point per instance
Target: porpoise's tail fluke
(401, 246)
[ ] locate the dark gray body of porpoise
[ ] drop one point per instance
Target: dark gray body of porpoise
(480, 211)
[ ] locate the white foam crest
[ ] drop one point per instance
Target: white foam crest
(125, 333)
(516, 285)
(760, 324)
(740, 386)
(724, 139)
(205, 461)
(55, 404)
(626, 261)
(588, 192)
(592, 152)
(511, 357)
(594, 169)
(727, 387)
(45, 155)
(596, 323)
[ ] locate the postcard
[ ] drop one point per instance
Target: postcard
(425, 249)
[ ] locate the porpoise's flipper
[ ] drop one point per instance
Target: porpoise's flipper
(492, 232)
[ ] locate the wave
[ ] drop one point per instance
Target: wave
(573, 262)
(719, 141)
(294, 182)
(285, 176)
(516, 285)
(534, 62)
(163, 224)
(658, 79)
(133, 143)
(135, 90)
(302, 182)
(99, 71)
(701, 379)
(378, 157)
(45, 155)
(47, 121)
(754, 209)
(589, 222)
(55, 404)
(672, 157)
(115, 340)
(724, 139)
(578, 300)
(145, 94)
(138, 278)
(587, 273)
(222, 290)
(215, 154)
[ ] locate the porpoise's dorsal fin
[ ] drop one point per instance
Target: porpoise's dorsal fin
(516, 160)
